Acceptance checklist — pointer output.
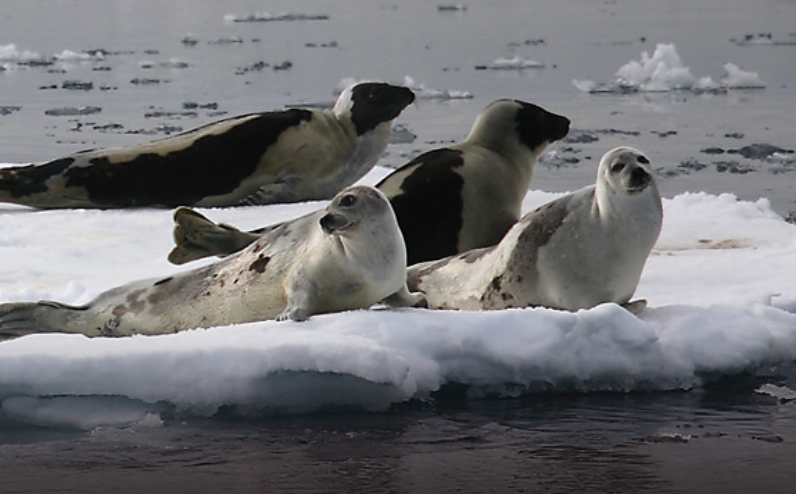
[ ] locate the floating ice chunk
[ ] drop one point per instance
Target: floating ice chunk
(782, 393)
(589, 86)
(268, 17)
(72, 111)
(741, 79)
(664, 71)
(708, 85)
(424, 92)
(74, 56)
(452, 8)
(585, 85)
(513, 63)
(781, 157)
(763, 39)
(10, 53)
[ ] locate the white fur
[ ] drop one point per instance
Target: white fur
(595, 255)
(292, 272)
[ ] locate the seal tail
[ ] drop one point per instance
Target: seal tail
(30, 185)
(196, 237)
(24, 318)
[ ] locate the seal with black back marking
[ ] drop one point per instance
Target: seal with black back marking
(448, 200)
(349, 256)
(261, 158)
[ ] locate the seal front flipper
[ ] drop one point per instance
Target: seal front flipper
(24, 318)
(196, 237)
(405, 298)
(302, 301)
(635, 307)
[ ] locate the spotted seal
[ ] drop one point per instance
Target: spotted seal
(350, 255)
(580, 250)
(259, 158)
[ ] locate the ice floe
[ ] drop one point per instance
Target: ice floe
(664, 71)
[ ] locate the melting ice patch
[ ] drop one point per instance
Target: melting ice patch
(664, 71)
(721, 286)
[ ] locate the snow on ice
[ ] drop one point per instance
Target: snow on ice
(721, 286)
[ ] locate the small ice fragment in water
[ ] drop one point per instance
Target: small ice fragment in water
(10, 53)
(400, 134)
(73, 56)
(708, 85)
(452, 8)
(585, 85)
(71, 111)
(77, 85)
(741, 79)
(267, 17)
(782, 393)
(423, 92)
(513, 63)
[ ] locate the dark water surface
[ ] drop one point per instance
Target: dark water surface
(171, 66)
(722, 440)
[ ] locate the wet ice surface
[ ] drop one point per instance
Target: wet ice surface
(117, 73)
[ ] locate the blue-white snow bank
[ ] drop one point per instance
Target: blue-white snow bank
(721, 285)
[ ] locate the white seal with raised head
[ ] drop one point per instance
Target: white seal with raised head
(578, 251)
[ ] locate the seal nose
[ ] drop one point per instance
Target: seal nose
(327, 224)
(333, 223)
(560, 127)
(639, 178)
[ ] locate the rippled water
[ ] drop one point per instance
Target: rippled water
(710, 441)
(173, 66)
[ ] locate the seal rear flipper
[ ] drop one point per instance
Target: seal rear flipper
(24, 318)
(196, 237)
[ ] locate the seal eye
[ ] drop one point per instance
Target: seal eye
(348, 200)
(643, 159)
(618, 167)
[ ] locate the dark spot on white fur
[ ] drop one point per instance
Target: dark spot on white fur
(133, 301)
(259, 264)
